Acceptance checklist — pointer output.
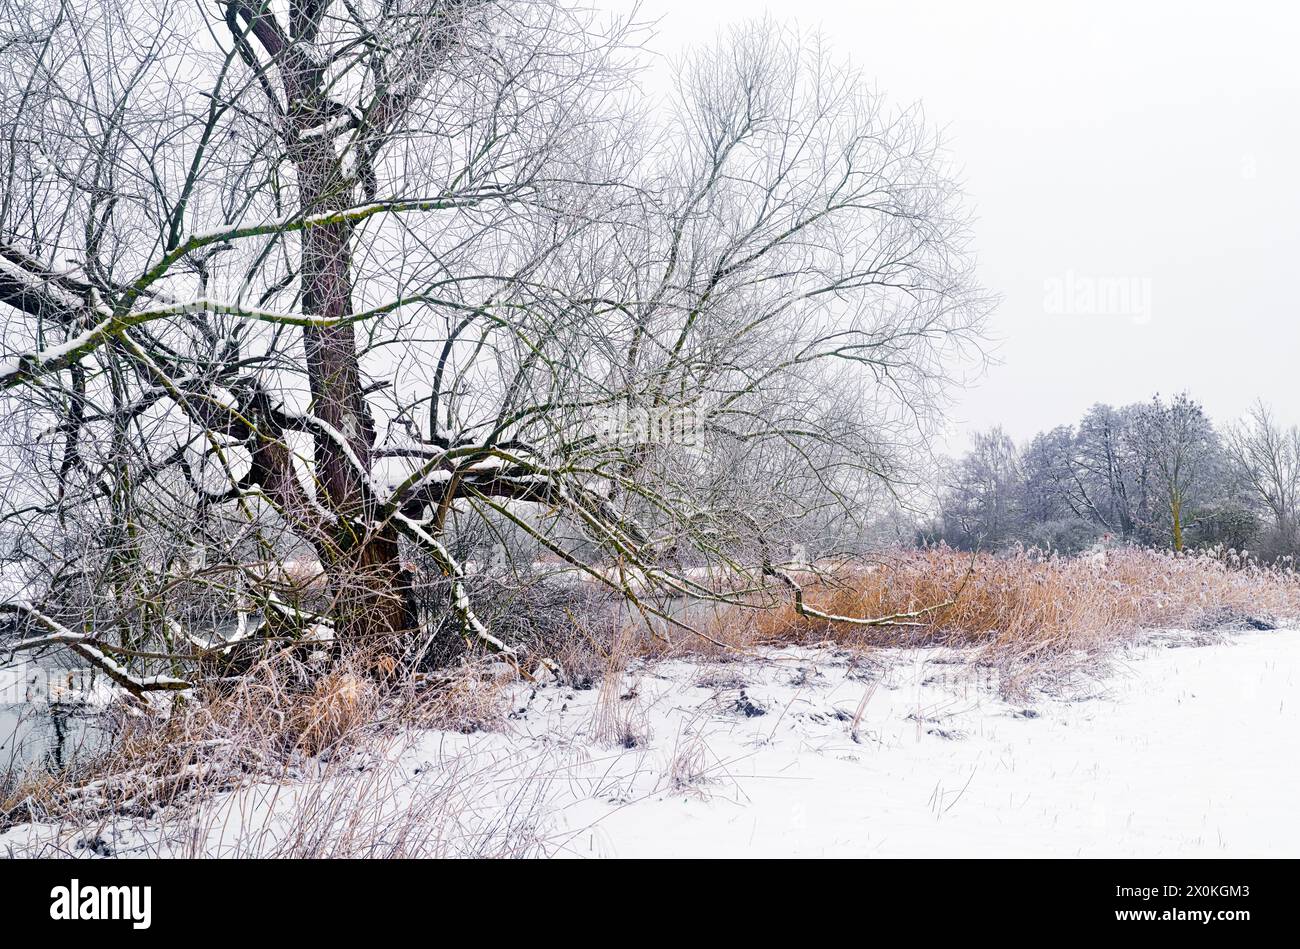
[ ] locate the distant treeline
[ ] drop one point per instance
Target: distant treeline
(1157, 473)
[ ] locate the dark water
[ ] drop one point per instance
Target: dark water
(45, 720)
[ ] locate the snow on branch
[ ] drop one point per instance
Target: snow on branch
(472, 627)
(86, 647)
(26, 366)
(911, 618)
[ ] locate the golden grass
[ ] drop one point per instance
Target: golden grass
(1017, 606)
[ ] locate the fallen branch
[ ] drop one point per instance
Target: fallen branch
(911, 618)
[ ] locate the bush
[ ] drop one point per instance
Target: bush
(1066, 537)
(1228, 524)
(1274, 545)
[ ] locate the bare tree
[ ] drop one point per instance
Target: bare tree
(1111, 472)
(319, 287)
(1049, 475)
(983, 502)
(1267, 459)
(1181, 447)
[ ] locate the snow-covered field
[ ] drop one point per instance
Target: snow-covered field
(1181, 749)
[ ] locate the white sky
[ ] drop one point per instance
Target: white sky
(1155, 143)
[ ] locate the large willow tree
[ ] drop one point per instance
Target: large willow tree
(304, 283)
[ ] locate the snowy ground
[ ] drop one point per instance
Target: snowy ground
(1180, 750)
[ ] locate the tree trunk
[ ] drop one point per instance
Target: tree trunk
(370, 589)
(1176, 513)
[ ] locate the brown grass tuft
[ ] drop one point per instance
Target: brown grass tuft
(340, 703)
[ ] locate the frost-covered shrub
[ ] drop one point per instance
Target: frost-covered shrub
(1275, 545)
(1227, 524)
(1066, 537)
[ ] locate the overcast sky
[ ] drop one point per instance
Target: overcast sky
(1135, 173)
